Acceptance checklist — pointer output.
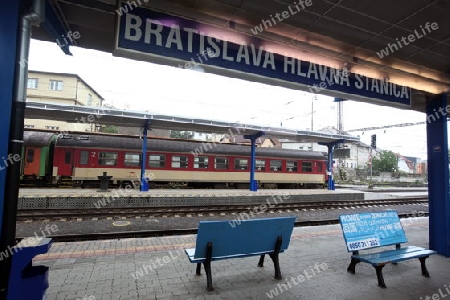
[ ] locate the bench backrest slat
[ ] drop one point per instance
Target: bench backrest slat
(370, 230)
(250, 236)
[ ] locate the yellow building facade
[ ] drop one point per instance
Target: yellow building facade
(60, 88)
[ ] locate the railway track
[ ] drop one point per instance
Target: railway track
(156, 233)
(210, 210)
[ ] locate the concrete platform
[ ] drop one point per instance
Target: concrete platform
(88, 198)
(157, 268)
(74, 192)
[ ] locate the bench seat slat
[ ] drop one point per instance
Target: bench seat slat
(387, 253)
(191, 252)
(394, 255)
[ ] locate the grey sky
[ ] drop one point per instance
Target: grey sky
(140, 85)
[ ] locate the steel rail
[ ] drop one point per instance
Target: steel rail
(168, 211)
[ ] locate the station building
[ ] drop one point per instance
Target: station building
(61, 88)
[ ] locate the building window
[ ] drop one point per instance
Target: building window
(132, 160)
(30, 155)
(89, 100)
(52, 127)
(291, 166)
(107, 158)
(157, 161)
(201, 162)
(32, 83)
(68, 157)
(84, 157)
(306, 166)
(319, 167)
(28, 126)
(240, 164)
(56, 85)
(275, 165)
(260, 165)
(221, 163)
(179, 161)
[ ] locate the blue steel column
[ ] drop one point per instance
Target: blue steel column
(252, 138)
(330, 168)
(144, 181)
(331, 146)
(438, 174)
(9, 24)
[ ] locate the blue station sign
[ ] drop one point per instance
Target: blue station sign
(162, 38)
(369, 230)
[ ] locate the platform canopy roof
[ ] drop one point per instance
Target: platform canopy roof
(334, 33)
(107, 116)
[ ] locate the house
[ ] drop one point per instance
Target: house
(410, 165)
(347, 155)
(61, 88)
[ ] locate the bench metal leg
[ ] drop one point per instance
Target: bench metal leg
(261, 261)
(274, 257)
(380, 278)
(352, 265)
(423, 266)
(207, 265)
(199, 269)
(276, 264)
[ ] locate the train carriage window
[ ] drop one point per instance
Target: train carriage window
(291, 166)
(260, 165)
(157, 161)
(68, 157)
(30, 155)
(221, 163)
(275, 165)
(84, 157)
(319, 167)
(179, 161)
(306, 166)
(132, 160)
(240, 164)
(107, 158)
(201, 162)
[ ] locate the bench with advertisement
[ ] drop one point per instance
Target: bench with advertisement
(378, 229)
(217, 240)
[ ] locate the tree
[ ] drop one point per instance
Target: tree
(176, 134)
(110, 129)
(386, 161)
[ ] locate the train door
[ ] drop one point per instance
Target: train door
(32, 160)
(66, 162)
(93, 160)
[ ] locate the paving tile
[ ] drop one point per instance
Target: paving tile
(109, 277)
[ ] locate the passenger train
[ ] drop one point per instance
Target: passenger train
(77, 159)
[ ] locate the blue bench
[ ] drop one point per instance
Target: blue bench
(217, 240)
(371, 230)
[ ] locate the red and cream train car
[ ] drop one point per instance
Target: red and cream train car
(84, 157)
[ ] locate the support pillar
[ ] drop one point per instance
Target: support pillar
(330, 168)
(330, 147)
(144, 181)
(438, 174)
(9, 64)
(252, 138)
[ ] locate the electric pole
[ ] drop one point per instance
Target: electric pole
(340, 119)
(312, 117)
